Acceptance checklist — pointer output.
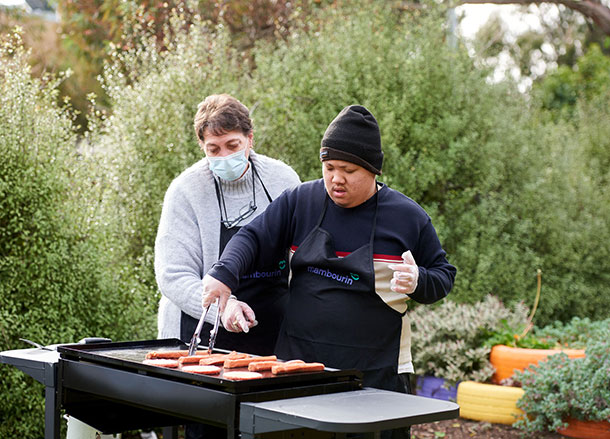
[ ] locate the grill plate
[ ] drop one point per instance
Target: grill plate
(129, 356)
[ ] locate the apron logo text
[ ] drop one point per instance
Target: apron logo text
(327, 273)
(262, 274)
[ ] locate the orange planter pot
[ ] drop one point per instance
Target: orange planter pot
(506, 359)
(586, 429)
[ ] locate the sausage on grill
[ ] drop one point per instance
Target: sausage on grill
(296, 367)
(232, 363)
(204, 370)
(258, 366)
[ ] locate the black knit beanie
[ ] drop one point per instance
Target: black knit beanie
(353, 136)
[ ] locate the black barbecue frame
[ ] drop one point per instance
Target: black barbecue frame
(133, 395)
(124, 396)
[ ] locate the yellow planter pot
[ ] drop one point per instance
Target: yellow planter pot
(488, 402)
(506, 359)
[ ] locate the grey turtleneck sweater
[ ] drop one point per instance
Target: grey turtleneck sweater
(188, 238)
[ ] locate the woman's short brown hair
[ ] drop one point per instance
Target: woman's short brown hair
(220, 114)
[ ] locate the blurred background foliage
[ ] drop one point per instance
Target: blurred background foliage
(89, 30)
(513, 181)
(560, 38)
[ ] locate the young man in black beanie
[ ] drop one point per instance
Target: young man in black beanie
(359, 250)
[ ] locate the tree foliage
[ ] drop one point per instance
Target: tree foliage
(565, 87)
(596, 11)
(92, 29)
(60, 280)
(511, 186)
(561, 38)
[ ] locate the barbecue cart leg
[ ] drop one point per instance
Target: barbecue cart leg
(170, 432)
(51, 413)
(231, 432)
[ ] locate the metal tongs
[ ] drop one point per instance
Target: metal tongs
(213, 333)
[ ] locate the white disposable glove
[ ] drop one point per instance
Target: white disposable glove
(238, 316)
(405, 275)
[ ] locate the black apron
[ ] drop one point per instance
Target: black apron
(334, 315)
(266, 291)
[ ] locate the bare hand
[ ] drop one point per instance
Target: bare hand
(405, 275)
(213, 288)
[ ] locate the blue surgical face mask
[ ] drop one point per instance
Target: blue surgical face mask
(229, 167)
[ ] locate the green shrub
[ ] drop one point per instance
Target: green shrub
(570, 207)
(40, 288)
(149, 139)
(513, 336)
(58, 279)
(569, 201)
(563, 89)
(493, 175)
(560, 388)
(449, 339)
(576, 334)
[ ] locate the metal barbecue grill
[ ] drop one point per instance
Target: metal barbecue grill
(93, 376)
(107, 386)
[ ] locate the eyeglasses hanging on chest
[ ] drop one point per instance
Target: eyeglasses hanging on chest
(247, 209)
(244, 212)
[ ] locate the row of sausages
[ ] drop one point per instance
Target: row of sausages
(210, 364)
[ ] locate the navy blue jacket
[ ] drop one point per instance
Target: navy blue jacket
(401, 225)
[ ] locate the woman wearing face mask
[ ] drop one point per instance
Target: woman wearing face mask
(203, 208)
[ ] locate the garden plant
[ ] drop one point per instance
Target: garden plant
(450, 340)
(561, 389)
(511, 181)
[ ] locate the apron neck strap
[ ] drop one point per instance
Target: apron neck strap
(261, 181)
(221, 199)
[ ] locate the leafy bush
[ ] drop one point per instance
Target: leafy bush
(504, 187)
(560, 388)
(576, 334)
(512, 336)
(449, 340)
(570, 205)
(149, 139)
(58, 279)
(564, 88)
